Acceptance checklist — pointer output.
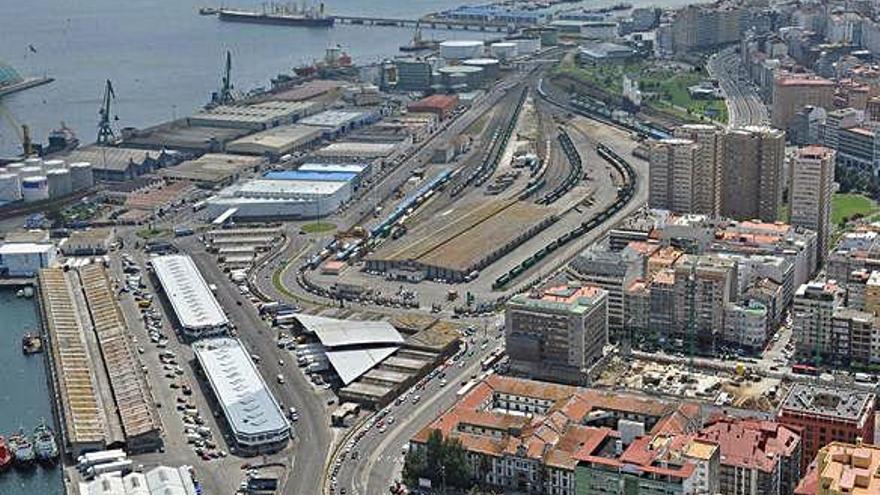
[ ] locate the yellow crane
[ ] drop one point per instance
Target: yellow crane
(21, 130)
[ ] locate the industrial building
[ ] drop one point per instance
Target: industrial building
(334, 123)
(119, 164)
(351, 151)
(161, 480)
(181, 135)
(557, 334)
(255, 419)
(352, 348)
(277, 141)
(285, 195)
(87, 242)
(440, 105)
(212, 170)
(197, 311)
(603, 52)
(25, 259)
(256, 117)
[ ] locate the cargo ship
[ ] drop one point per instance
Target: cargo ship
(5, 455)
(281, 14)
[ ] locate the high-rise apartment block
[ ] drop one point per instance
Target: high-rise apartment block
(709, 165)
(674, 172)
(752, 180)
(810, 191)
(792, 93)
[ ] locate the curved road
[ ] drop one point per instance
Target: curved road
(744, 106)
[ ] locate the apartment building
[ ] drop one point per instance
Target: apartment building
(674, 175)
(557, 334)
(813, 319)
(704, 286)
(709, 165)
(792, 93)
(752, 184)
(810, 192)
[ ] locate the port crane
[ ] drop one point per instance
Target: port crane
(21, 130)
(105, 131)
(225, 95)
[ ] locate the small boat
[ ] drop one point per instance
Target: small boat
(22, 449)
(5, 455)
(26, 292)
(31, 344)
(44, 443)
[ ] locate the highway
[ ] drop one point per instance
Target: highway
(744, 106)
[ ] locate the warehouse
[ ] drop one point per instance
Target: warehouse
(334, 123)
(254, 417)
(277, 141)
(361, 171)
(263, 199)
(440, 105)
(88, 242)
(352, 347)
(212, 170)
(257, 117)
(346, 152)
(197, 311)
(25, 259)
(116, 164)
(181, 136)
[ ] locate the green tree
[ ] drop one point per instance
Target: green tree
(442, 461)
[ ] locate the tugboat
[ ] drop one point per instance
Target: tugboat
(44, 443)
(22, 449)
(5, 455)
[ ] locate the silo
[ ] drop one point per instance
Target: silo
(30, 171)
(33, 162)
(460, 49)
(35, 188)
(59, 182)
(10, 187)
(15, 168)
(503, 51)
(456, 76)
(490, 67)
(81, 176)
(53, 165)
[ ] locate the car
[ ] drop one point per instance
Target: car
(280, 379)
(416, 399)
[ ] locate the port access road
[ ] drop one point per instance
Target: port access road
(744, 106)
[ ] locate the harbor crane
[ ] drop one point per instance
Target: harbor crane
(105, 131)
(22, 131)
(225, 96)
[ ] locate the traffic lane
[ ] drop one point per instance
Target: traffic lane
(259, 339)
(409, 419)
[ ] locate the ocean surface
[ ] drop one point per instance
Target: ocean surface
(24, 394)
(165, 60)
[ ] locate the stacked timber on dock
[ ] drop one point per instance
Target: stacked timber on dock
(83, 420)
(134, 402)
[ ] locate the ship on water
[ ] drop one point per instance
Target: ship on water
(22, 449)
(44, 443)
(5, 455)
(282, 14)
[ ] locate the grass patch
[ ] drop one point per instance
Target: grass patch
(845, 207)
(152, 233)
(318, 227)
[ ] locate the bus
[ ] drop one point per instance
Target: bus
(492, 359)
(805, 369)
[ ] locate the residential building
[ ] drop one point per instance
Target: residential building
(709, 165)
(812, 319)
(557, 334)
(758, 457)
(836, 121)
(673, 175)
(852, 336)
(704, 286)
(810, 193)
(792, 93)
(612, 271)
(746, 325)
(827, 414)
(753, 188)
(533, 437)
(697, 28)
(859, 148)
(843, 468)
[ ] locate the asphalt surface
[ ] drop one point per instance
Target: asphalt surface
(744, 106)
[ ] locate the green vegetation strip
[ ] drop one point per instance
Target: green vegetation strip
(845, 207)
(318, 227)
(152, 233)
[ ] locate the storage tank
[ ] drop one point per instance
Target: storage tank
(490, 67)
(81, 176)
(53, 165)
(503, 51)
(59, 182)
(460, 49)
(458, 75)
(10, 187)
(526, 46)
(15, 168)
(35, 188)
(30, 171)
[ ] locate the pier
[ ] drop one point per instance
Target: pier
(30, 82)
(426, 23)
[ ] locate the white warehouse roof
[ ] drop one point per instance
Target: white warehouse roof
(334, 333)
(25, 248)
(332, 167)
(161, 480)
(191, 298)
(288, 188)
(249, 407)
